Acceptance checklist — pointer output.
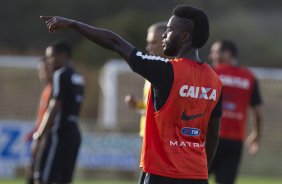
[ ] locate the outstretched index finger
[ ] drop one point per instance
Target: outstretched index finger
(46, 18)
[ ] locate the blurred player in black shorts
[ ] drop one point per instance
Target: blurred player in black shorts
(59, 130)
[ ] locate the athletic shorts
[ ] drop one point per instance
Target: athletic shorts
(147, 178)
(142, 177)
(226, 161)
(56, 159)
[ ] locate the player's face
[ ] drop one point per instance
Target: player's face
(45, 71)
(215, 53)
(218, 56)
(154, 43)
(51, 57)
(172, 37)
(54, 59)
(41, 71)
(49, 71)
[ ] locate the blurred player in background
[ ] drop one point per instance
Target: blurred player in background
(184, 106)
(154, 47)
(240, 90)
(55, 161)
(45, 75)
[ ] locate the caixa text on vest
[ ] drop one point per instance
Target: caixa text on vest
(198, 92)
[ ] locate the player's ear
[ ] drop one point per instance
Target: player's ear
(186, 37)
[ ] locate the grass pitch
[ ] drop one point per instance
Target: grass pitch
(241, 180)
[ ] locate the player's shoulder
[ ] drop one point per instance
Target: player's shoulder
(245, 71)
(136, 54)
(236, 70)
(65, 73)
(209, 68)
(59, 73)
(74, 77)
(69, 71)
(214, 74)
(210, 73)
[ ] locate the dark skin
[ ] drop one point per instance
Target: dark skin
(212, 138)
(177, 42)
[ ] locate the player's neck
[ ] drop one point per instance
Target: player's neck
(191, 54)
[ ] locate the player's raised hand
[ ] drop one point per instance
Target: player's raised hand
(55, 22)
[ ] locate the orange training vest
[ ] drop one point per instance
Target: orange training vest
(174, 140)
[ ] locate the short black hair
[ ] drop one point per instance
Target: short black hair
(62, 46)
(227, 45)
(200, 20)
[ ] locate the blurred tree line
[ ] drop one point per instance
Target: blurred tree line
(253, 25)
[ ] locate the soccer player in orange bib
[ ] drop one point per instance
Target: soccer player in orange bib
(240, 90)
(184, 106)
(45, 74)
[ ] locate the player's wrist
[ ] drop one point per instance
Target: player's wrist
(36, 136)
(255, 134)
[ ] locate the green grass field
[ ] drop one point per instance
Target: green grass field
(241, 180)
(256, 180)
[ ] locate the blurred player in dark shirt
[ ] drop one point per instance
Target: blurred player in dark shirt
(56, 159)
